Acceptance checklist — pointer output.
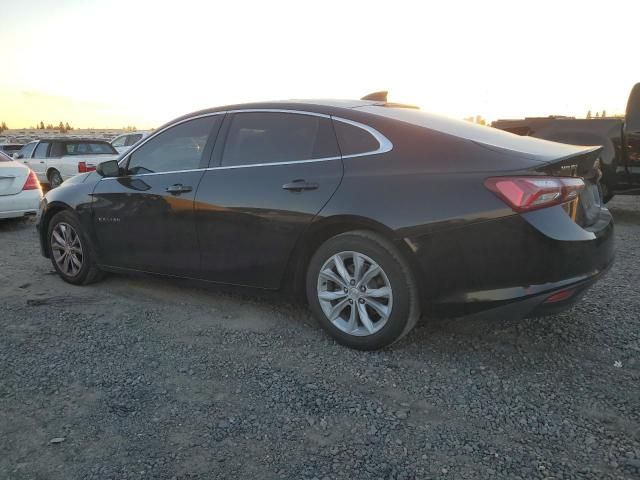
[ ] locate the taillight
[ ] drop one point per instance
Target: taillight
(32, 182)
(84, 168)
(560, 296)
(524, 194)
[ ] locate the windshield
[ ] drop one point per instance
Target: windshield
(89, 148)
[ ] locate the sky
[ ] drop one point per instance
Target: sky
(100, 64)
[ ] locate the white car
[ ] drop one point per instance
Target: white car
(124, 142)
(58, 159)
(20, 191)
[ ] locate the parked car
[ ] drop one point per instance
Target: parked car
(620, 138)
(58, 159)
(20, 192)
(124, 142)
(375, 211)
(10, 148)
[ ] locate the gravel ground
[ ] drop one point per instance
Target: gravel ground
(148, 378)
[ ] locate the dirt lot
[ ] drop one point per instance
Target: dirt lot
(147, 378)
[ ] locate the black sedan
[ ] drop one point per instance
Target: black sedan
(375, 211)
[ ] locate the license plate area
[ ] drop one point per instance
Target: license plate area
(585, 209)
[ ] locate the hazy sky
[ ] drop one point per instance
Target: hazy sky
(137, 62)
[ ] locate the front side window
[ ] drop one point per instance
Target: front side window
(41, 150)
(28, 149)
(178, 148)
(270, 137)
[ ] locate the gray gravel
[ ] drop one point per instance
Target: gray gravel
(147, 378)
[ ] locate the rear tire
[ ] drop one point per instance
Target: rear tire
(362, 291)
(71, 252)
(55, 179)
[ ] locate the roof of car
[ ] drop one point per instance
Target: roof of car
(323, 106)
(58, 139)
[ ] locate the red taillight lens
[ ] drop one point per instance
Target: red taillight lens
(560, 296)
(32, 182)
(524, 194)
(84, 168)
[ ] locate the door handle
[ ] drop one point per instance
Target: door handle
(299, 186)
(177, 189)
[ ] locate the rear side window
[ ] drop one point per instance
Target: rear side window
(11, 148)
(4, 158)
(57, 150)
(271, 137)
(178, 148)
(88, 148)
(41, 150)
(354, 140)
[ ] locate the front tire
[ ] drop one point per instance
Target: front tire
(71, 252)
(362, 290)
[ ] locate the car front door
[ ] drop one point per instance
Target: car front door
(26, 152)
(38, 163)
(274, 172)
(144, 219)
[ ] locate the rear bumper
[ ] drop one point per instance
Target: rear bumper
(525, 305)
(512, 265)
(20, 204)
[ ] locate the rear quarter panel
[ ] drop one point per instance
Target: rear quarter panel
(429, 192)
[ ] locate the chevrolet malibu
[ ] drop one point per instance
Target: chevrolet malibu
(375, 212)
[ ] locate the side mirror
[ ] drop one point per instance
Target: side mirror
(18, 156)
(109, 168)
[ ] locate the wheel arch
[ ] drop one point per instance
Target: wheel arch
(323, 229)
(52, 209)
(51, 169)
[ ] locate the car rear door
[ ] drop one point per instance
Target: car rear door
(274, 172)
(144, 219)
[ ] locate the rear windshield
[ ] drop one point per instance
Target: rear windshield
(10, 148)
(89, 148)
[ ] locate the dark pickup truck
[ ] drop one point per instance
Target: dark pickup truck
(620, 159)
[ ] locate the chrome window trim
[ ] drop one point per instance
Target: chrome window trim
(154, 134)
(384, 143)
(279, 110)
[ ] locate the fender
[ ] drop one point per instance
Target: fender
(75, 195)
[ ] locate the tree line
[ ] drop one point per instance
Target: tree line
(63, 127)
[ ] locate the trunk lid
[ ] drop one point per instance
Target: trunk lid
(585, 210)
(13, 175)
